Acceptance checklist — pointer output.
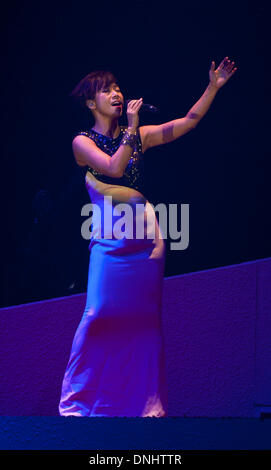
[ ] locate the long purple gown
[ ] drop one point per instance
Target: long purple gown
(117, 360)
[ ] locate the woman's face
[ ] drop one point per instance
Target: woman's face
(105, 99)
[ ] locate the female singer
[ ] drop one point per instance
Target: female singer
(117, 362)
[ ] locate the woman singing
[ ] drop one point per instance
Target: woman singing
(117, 363)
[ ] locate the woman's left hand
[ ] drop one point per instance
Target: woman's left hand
(221, 75)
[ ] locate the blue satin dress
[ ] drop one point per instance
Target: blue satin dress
(117, 361)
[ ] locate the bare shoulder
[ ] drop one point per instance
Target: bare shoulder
(143, 136)
(151, 135)
(80, 145)
(79, 138)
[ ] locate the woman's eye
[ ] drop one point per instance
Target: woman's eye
(107, 89)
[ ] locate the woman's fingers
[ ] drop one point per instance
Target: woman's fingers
(138, 102)
(223, 64)
(229, 67)
(135, 103)
(226, 64)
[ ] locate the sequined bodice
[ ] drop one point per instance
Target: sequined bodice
(133, 174)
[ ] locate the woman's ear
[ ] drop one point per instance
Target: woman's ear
(90, 104)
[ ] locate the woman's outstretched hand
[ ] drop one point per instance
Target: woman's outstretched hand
(221, 75)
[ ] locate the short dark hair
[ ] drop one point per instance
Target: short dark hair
(87, 88)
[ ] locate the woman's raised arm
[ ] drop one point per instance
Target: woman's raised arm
(169, 131)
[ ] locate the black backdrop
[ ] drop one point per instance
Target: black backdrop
(162, 52)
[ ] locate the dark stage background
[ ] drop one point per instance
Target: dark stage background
(162, 52)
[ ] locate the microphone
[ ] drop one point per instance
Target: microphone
(144, 107)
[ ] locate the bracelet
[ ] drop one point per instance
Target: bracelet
(132, 133)
(129, 138)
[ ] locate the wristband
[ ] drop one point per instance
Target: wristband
(129, 138)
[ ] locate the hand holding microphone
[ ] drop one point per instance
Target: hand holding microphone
(144, 106)
(133, 107)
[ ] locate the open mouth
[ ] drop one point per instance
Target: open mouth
(117, 103)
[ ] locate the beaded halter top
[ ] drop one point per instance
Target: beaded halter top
(133, 174)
